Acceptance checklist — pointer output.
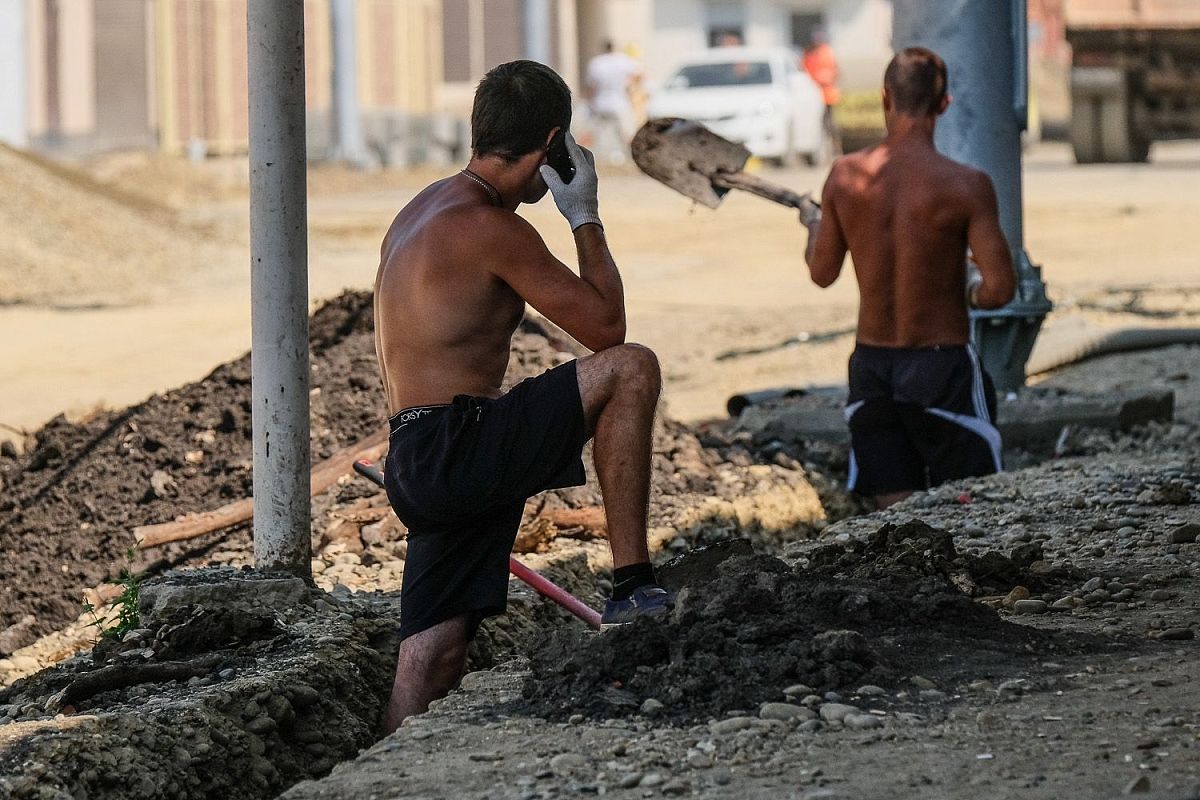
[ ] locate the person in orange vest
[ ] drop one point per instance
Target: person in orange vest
(821, 65)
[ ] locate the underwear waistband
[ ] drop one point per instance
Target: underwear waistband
(406, 416)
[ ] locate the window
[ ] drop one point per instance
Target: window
(726, 23)
(803, 26)
(742, 73)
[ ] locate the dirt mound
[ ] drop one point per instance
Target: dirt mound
(237, 685)
(754, 626)
(913, 550)
(67, 241)
(72, 499)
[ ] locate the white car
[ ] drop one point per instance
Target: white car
(756, 96)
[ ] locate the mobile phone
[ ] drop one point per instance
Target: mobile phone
(558, 157)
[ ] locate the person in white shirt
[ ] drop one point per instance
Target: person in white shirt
(609, 78)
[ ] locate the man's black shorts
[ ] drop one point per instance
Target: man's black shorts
(919, 417)
(458, 476)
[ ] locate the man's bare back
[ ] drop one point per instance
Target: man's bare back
(455, 272)
(448, 319)
(920, 406)
(907, 215)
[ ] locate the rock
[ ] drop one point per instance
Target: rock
(932, 695)
(17, 635)
(489, 755)
(1092, 585)
(565, 763)
(676, 787)
(162, 484)
(24, 663)
(1177, 634)
(784, 712)
(1185, 533)
(219, 588)
(651, 707)
(921, 682)
(836, 712)
(1139, 785)
(1159, 595)
(629, 780)
(798, 690)
(862, 722)
(652, 779)
(732, 725)
(1030, 606)
(1063, 604)
(870, 690)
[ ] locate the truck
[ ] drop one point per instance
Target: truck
(1135, 76)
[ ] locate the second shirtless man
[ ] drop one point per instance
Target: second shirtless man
(921, 409)
(456, 269)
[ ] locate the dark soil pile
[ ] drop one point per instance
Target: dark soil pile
(756, 626)
(914, 551)
(71, 501)
(238, 687)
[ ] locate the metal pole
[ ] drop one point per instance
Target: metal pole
(279, 286)
(14, 66)
(536, 19)
(984, 45)
(348, 142)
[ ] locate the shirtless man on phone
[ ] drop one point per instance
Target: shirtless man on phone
(457, 267)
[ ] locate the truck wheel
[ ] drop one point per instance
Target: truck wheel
(1085, 129)
(1120, 139)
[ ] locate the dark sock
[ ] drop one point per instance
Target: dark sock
(626, 580)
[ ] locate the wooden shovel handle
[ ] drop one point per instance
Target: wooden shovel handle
(771, 191)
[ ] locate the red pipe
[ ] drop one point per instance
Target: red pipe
(553, 591)
(543, 586)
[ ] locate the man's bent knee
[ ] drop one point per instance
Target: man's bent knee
(640, 369)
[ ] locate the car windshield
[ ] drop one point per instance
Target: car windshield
(738, 73)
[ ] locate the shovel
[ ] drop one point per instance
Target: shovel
(543, 586)
(697, 163)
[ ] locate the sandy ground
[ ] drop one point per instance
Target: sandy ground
(699, 282)
(1090, 722)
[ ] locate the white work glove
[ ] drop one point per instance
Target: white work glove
(576, 200)
(974, 279)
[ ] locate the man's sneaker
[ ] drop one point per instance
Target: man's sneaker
(646, 601)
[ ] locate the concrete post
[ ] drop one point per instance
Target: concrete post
(984, 45)
(279, 286)
(536, 29)
(348, 142)
(14, 66)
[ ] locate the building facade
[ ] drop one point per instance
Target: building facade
(86, 76)
(100, 75)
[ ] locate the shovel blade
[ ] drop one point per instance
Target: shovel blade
(685, 155)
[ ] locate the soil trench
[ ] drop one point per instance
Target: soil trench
(801, 620)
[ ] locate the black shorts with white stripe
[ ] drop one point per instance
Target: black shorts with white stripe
(919, 417)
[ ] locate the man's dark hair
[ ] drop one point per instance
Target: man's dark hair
(916, 80)
(516, 106)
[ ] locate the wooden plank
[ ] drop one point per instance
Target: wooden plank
(323, 476)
